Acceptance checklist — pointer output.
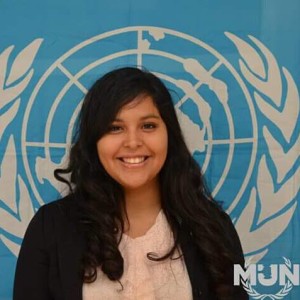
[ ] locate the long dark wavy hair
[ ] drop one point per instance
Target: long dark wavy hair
(101, 199)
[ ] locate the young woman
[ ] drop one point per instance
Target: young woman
(138, 222)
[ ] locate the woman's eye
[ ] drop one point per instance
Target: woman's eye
(149, 126)
(115, 128)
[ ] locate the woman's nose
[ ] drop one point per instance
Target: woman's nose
(132, 139)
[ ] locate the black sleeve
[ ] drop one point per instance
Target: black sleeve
(236, 247)
(31, 277)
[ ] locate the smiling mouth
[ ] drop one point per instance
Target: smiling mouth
(134, 160)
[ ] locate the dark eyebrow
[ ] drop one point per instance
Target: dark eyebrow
(150, 116)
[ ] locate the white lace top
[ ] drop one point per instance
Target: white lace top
(144, 279)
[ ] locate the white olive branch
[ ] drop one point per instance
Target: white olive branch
(16, 213)
(261, 70)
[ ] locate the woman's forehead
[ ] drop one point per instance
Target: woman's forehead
(141, 105)
(140, 99)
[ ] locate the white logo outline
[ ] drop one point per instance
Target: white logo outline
(250, 207)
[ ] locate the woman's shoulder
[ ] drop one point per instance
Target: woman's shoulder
(55, 215)
(65, 206)
(52, 224)
(219, 212)
(61, 202)
(226, 225)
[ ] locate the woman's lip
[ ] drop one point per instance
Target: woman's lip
(133, 160)
(134, 157)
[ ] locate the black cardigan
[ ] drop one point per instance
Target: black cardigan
(49, 259)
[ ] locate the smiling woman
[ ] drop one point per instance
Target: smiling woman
(134, 149)
(138, 222)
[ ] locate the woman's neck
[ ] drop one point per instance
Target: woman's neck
(144, 200)
(142, 208)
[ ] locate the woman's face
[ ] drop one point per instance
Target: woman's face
(134, 149)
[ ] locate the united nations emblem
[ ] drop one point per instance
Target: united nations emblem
(233, 115)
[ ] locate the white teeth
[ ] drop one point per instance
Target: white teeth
(133, 160)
